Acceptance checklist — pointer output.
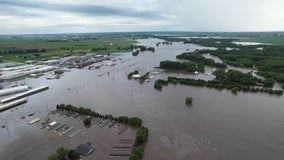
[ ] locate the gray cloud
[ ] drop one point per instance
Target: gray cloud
(51, 16)
(82, 9)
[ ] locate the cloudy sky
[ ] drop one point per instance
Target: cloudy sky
(76, 16)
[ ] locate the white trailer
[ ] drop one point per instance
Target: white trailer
(24, 94)
(12, 104)
(13, 90)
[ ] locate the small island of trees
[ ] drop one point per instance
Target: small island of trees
(141, 78)
(188, 100)
(132, 73)
(139, 49)
(185, 66)
(201, 60)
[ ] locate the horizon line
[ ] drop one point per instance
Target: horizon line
(70, 33)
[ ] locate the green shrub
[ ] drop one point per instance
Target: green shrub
(188, 100)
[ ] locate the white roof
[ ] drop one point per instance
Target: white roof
(13, 90)
(136, 76)
(52, 123)
(11, 104)
(8, 74)
(23, 94)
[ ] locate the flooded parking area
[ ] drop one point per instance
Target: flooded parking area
(67, 129)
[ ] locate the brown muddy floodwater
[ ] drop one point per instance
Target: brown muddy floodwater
(218, 126)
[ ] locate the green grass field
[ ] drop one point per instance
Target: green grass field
(14, 49)
(270, 40)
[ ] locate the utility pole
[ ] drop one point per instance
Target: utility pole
(7, 128)
(47, 109)
(77, 97)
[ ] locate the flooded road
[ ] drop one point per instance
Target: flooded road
(218, 126)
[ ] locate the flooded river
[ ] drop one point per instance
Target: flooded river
(218, 126)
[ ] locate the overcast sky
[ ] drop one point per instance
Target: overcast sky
(76, 16)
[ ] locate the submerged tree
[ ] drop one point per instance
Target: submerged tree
(188, 100)
(64, 154)
(87, 121)
(72, 154)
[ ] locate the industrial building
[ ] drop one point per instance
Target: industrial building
(20, 71)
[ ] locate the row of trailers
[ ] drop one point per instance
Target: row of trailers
(119, 128)
(123, 150)
(59, 129)
(19, 98)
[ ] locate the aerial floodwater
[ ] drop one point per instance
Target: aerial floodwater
(218, 125)
(250, 43)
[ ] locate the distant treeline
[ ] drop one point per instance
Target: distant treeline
(99, 49)
(139, 49)
(57, 40)
(237, 77)
(143, 48)
(213, 42)
(107, 48)
(268, 60)
(185, 66)
(198, 58)
(197, 63)
(166, 43)
(17, 51)
(208, 42)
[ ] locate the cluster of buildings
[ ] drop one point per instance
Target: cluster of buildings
(78, 61)
(11, 71)
(23, 70)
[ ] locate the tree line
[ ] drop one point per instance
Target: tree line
(198, 58)
(139, 49)
(213, 42)
(160, 83)
(268, 59)
(209, 42)
(134, 121)
(236, 77)
(186, 66)
(215, 84)
(17, 51)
